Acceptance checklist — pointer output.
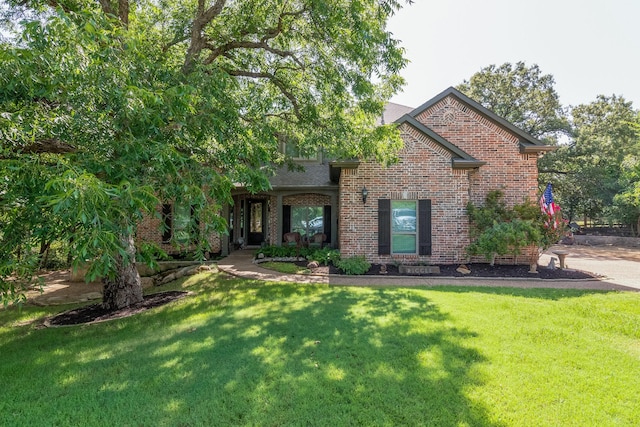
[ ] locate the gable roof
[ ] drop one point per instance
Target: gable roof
(528, 143)
(460, 159)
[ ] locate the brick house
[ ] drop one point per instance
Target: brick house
(455, 151)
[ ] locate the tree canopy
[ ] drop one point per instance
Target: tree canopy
(522, 95)
(108, 108)
(589, 168)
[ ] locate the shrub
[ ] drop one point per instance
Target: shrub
(278, 251)
(353, 265)
(499, 230)
(505, 238)
(325, 256)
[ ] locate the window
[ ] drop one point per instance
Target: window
(180, 224)
(404, 227)
(307, 220)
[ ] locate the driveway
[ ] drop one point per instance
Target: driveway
(617, 265)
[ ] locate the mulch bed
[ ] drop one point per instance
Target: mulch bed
(477, 270)
(95, 313)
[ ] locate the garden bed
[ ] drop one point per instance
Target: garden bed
(476, 270)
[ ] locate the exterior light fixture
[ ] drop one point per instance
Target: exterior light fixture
(365, 193)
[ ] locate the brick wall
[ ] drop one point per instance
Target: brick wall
(425, 172)
(150, 231)
(506, 169)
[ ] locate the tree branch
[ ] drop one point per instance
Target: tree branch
(49, 145)
(203, 17)
(555, 171)
(179, 38)
(273, 79)
(222, 50)
(107, 7)
(123, 12)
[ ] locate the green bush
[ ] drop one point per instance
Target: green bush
(353, 265)
(505, 238)
(284, 251)
(325, 256)
(499, 230)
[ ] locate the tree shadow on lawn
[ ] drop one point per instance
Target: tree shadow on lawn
(248, 352)
(551, 294)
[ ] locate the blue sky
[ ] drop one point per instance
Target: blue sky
(591, 47)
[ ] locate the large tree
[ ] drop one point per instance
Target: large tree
(522, 95)
(590, 168)
(109, 107)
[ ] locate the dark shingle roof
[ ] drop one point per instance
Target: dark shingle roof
(393, 112)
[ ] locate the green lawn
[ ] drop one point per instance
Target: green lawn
(243, 352)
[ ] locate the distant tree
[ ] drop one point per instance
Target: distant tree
(589, 169)
(522, 95)
(115, 106)
(627, 202)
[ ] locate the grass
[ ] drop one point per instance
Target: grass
(251, 353)
(285, 267)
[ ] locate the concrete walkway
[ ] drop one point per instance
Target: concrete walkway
(618, 268)
(619, 271)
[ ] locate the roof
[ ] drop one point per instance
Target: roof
(393, 112)
(528, 143)
(325, 174)
(314, 175)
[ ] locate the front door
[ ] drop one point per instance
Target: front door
(256, 221)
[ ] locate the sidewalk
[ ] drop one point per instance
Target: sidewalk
(240, 263)
(619, 269)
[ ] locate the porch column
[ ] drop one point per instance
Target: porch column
(278, 236)
(334, 220)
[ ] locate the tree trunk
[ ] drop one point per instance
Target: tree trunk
(125, 288)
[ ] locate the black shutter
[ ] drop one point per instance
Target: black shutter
(326, 223)
(167, 226)
(286, 219)
(384, 226)
(424, 227)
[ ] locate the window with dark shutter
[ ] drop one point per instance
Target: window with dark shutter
(400, 231)
(384, 226)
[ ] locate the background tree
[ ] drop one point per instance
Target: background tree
(590, 168)
(120, 106)
(522, 95)
(627, 202)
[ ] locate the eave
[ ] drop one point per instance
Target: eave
(535, 149)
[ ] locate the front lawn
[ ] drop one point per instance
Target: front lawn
(242, 352)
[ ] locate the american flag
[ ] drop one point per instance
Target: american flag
(548, 207)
